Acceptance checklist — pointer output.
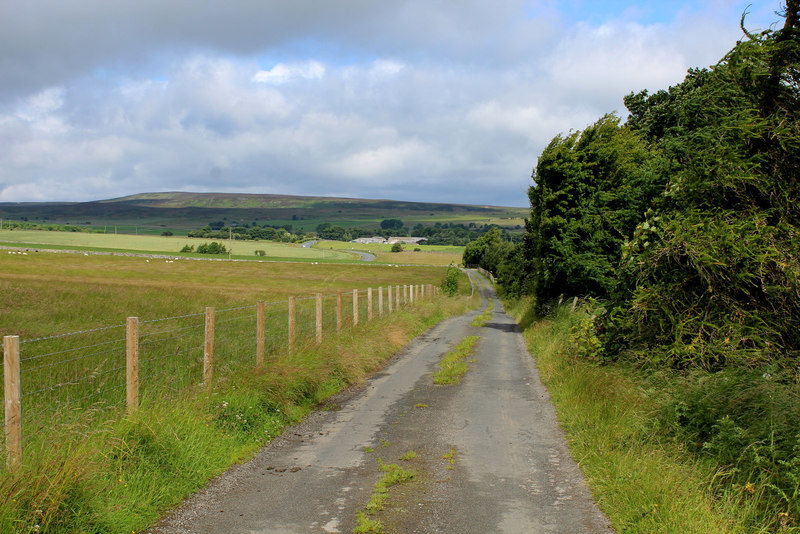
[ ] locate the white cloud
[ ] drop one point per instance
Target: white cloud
(42, 104)
(411, 100)
(386, 67)
(595, 63)
(284, 73)
(384, 161)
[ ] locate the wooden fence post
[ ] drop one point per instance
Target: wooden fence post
(411, 290)
(397, 296)
(405, 294)
(355, 307)
(380, 302)
(574, 304)
(369, 304)
(13, 405)
(291, 323)
(132, 364)
(260, 327)
(208, 352)
(339, 311)
(319, 318)
(389, 297)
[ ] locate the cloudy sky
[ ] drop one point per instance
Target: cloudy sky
(426, 100)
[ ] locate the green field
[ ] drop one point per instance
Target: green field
(46, 293)
(426, 255)
(324, 251)
(83, 456)
(163, 245)
(70, 312)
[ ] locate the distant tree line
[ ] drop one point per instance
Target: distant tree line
(49, 227)
(436, 234)
(246, 232)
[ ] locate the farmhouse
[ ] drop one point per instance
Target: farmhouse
(390, 241)
(407, 240)
(369, 240)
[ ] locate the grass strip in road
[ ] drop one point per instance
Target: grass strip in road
(643, 482)
(480, 320)
(393, 475)
(452, 366)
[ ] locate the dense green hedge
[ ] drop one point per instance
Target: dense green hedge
(684, 219)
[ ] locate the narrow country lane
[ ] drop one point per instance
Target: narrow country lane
(488, 455)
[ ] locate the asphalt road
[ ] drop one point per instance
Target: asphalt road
(490, 457)
(365, 256)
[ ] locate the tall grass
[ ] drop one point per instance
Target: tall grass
(119, 473)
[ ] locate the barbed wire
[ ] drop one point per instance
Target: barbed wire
(65, 351)
(170, 358)
(68, 334)
(150, 321)
(63, 362)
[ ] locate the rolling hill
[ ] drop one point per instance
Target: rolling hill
(182, 211)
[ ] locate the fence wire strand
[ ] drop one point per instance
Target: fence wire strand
(69, 377)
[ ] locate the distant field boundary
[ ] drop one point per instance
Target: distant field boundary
(25, 248)
(53, 381)
(151, 255)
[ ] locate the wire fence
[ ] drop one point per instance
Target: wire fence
(82, 376)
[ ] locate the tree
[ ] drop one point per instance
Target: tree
(391, 224)
(211, 248)
(488, 251)
(711, 271)
(591, 188)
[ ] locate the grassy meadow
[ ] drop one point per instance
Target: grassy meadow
(323, 251)
(48, 293)
(426, 255)
(89, 468)
(170, 245)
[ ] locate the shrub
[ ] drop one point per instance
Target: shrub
(450, 282)
(211, 248)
